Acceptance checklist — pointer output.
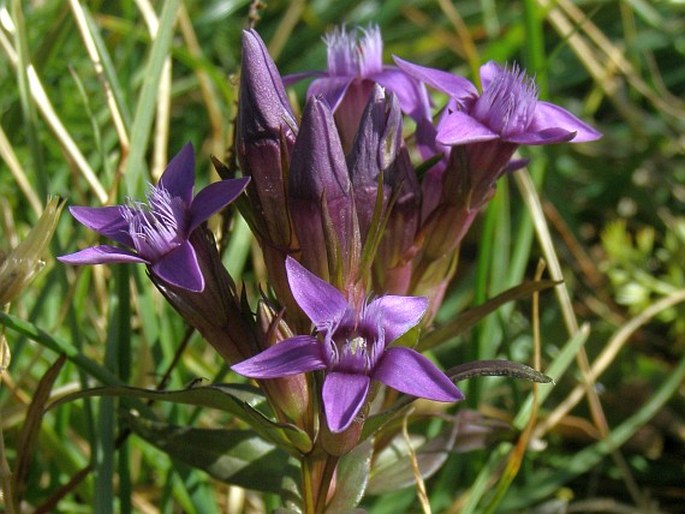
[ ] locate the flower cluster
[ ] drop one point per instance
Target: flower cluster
(359, 245)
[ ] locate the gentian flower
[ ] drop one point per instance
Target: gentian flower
(157, 233)
(353, 350)
(354, 65)
(508, 109)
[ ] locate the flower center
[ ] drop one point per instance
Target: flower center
(351, 352)
(507, 105)
(158, 226)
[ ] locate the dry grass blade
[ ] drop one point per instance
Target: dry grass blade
(163, 113)
(602, 362)
(31, 428)
(420, 484)
(209, 96)
(93, 54)
(530, 196)
(10, 158)
(571, 23)
(49, 114)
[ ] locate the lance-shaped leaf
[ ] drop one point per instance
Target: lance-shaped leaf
(237, 457)
(467, 319)
(352, 476)
(482, 368)
(241, 401)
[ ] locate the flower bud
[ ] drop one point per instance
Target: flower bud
(321, 201)
(266, 132)
(379, 148)
(19, 267)
(289, 394)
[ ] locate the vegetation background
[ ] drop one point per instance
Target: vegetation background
(96, 95)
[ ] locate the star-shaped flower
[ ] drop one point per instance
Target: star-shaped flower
(355, 61)
(508, 109)
(156, 233)
(353, 348)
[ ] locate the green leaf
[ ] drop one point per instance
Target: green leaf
(237, 457)
(239, 400)
(496, 368)
(492, 368)
(352, 478)
(469, 318)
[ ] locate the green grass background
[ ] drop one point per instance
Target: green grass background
(96, 96)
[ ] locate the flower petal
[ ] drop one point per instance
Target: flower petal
(411, 373)
(548, 115)
(319, 300)
(456, 87)
(289, 357)
(543, 137)
(179, 176)
(213, 198)
(103, 254)
(410, 93)
(488, 72)
(458, 128)
(107, 221)
(396, 314)
(331, 89)
(343, 396)
(180, 268)
(294, 78)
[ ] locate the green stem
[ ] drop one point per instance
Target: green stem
(324, 485)
(307, 486)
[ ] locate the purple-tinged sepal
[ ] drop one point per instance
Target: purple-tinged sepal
(216, 311)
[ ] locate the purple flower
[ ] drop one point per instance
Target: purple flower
(508, 109)
(354, 64)
(156, 233)
(353, 350)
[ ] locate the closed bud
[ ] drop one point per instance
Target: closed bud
(19, 267)
(321, 201)
(266, 134)
(379, 149)
(289, 394)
